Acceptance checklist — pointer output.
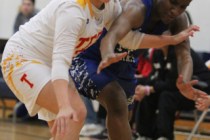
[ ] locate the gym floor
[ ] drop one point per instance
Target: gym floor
(31, 130)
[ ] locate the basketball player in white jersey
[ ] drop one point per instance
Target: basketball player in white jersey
(36, 60)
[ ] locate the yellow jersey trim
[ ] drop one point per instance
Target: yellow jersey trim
(83, 4)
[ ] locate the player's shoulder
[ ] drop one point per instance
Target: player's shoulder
(109, 6)
(136, 3)
(73, 6)
(69, 3)
(180, 20)
(135, 6)
(112, 2)
(80, 3)
(182, 16)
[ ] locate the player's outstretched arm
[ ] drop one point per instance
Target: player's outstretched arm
(137, 40)
(184, 59)
(131, 17)
(153, 41)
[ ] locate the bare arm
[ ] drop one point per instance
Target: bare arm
(137, 40)
(154, 41)
(131, 17)
(65, 39)
(184, 60)
(185, 64)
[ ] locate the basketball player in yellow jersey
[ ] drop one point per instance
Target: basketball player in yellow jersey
(36, 60)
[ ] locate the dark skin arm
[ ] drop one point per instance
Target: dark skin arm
(185, 64)
(125, 23)
(184, 60)
(132, 17)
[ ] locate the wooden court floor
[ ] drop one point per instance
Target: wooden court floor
(38, 131)
(10, 131)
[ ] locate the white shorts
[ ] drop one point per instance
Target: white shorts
(26, 78)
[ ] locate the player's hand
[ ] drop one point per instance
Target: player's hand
(62, 122)
(109, 59)
(187, 90)
(185, 34)
(138, 76)
(139, 93)
(202, 104)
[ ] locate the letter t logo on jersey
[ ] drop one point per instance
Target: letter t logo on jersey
(24, 79)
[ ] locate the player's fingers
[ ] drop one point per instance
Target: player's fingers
(199, 104)
(136, 97)
(198, 107)
(120, 56)
(101, 66)
(191, 34)
(202, 94)
(67, 124)
(138, 76)
(115, 58)
(136, 90)
(62, 126)
(193, 82)
(108, 61)
(137, 93)
(199, 100)
(58, 127)
(54, 128)
(202, 107)
(193, 28)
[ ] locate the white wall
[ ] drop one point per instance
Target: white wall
(199, 10)
(8, 12)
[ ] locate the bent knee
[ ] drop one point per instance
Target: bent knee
(118, 111)
(82, 113)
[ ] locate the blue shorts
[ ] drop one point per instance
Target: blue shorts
(84, 73)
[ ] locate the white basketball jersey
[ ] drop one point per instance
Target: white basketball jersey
(63, 29)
